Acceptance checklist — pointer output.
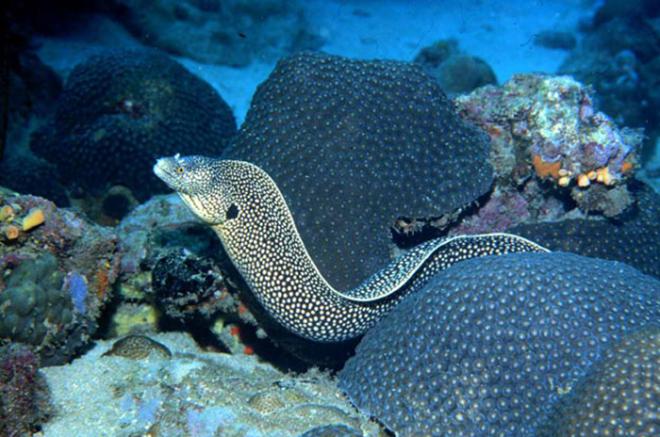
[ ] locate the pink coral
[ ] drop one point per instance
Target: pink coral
(22, 392)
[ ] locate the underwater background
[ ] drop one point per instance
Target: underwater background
(407, 140)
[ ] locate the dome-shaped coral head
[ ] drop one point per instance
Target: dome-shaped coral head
(223, 193)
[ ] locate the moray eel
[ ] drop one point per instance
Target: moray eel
(246, 209)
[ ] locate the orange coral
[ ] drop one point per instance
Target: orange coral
(6, 213)
(34, 218)
(603, 176)
(626, 167)
(583, 181)
(494, 131)
(544, 168)
(102, 280)
(11, 232)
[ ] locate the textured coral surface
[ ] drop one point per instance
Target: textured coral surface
(619, 396)
(23, 392)
(635, 239)
(353, 145)
(58, 270)
(121, 110)
(492, 343)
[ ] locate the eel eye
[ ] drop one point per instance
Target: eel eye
(179, 170)
(232, 212)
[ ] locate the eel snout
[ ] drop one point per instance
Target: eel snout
(165, 169)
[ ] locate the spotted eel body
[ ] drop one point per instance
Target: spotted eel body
(250, 215)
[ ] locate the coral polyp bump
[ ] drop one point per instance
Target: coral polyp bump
(619, 395)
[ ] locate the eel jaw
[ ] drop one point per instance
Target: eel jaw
(161, 169)
(165, 169)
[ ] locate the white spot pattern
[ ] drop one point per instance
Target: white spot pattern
(266, 248)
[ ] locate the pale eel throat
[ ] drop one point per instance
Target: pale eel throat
(248, 212)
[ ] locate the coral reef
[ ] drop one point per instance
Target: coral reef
(192, 393)
(619, 396)
(120, 110)
(34, 309)
(58, 274)
(503, 209)
(37, 310)
(547, 126)
(492, 343)
(151, 229)
(233, 32)
(456, 72)
(633, 239)
(28, 93)
(173, 265)
(353, 145)
(25, 173)
(23, 392)
(133, 317)
(32, 86)
(619, 56)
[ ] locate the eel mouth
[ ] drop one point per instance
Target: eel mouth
(163, 168)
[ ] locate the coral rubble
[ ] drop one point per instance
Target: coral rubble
(192, 393)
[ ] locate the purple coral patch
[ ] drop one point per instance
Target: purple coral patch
(77, 287)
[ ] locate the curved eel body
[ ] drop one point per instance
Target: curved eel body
(250, 215)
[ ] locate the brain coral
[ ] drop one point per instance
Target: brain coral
(635, 241)
(492, 343)
(353, 145)
(120, 110)
(620, 396)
